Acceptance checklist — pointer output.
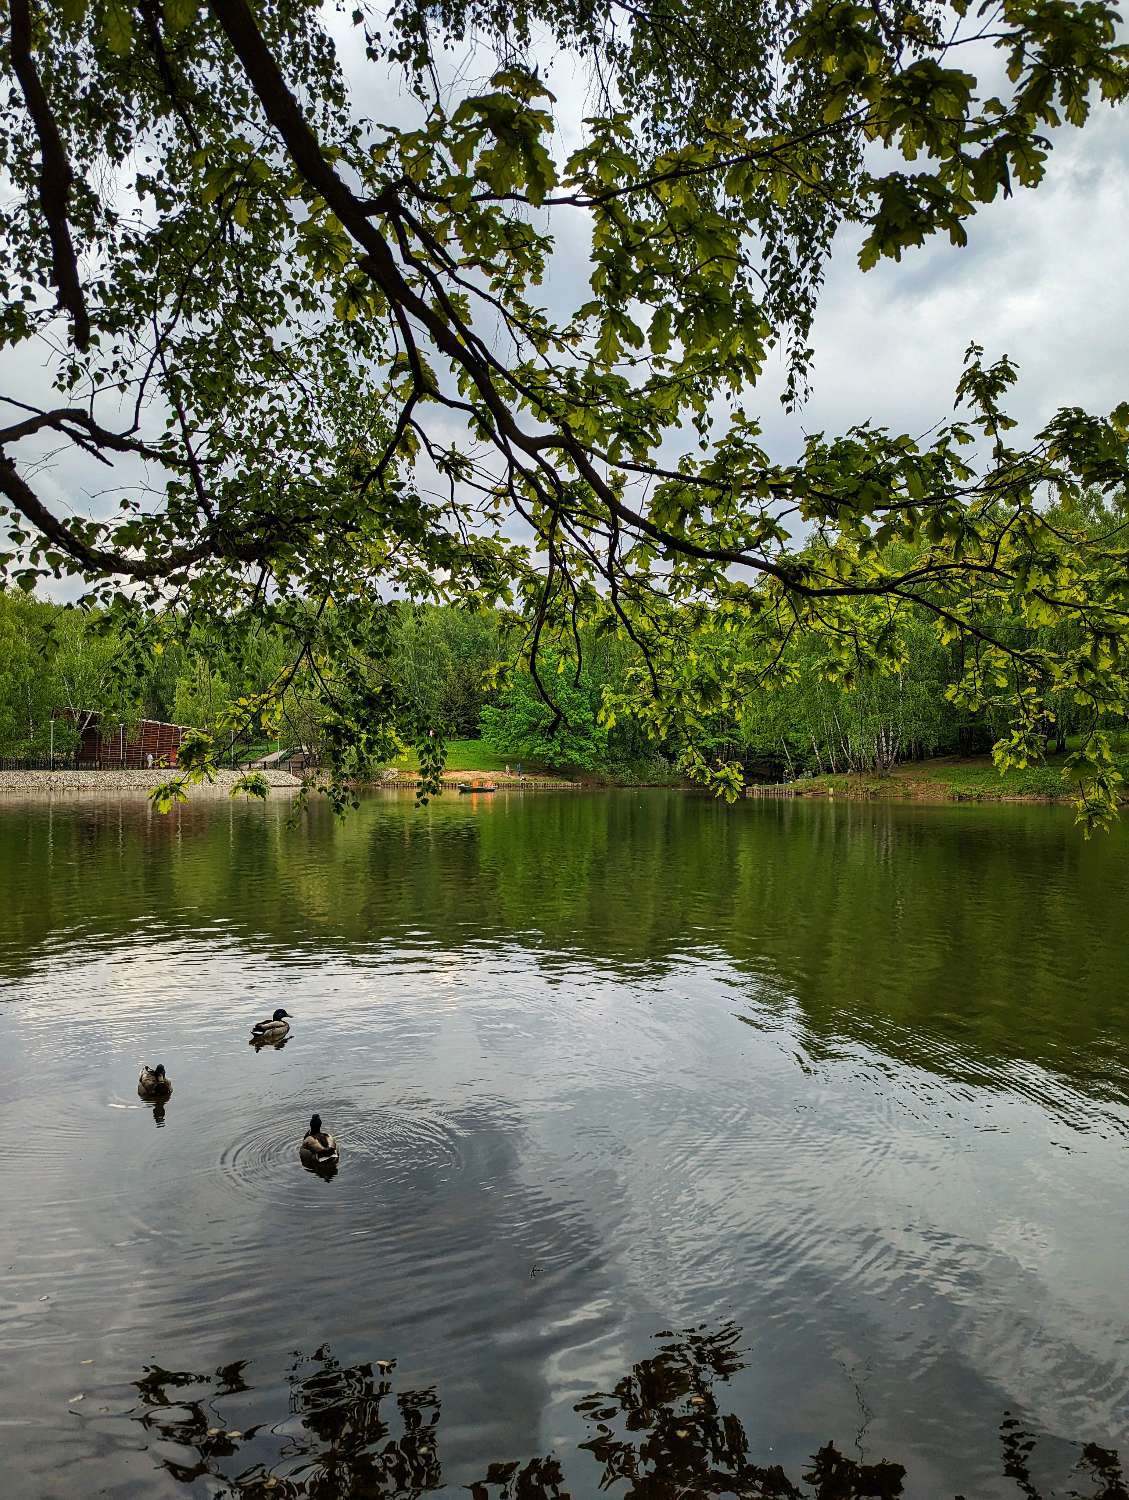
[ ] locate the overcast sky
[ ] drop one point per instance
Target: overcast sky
(1042, 279)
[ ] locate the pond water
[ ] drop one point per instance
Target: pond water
(679, 1142)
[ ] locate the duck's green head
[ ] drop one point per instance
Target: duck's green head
(315, 1124)
(280, 1015)
(159, 1071)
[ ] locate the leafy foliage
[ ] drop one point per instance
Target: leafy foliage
(565, 734)
(319, 341)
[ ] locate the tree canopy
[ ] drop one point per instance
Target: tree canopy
(312, 320)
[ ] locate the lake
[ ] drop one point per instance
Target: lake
(679, 1142)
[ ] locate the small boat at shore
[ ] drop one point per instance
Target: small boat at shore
(467, 786)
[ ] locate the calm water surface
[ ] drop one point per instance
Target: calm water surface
(679, 1141)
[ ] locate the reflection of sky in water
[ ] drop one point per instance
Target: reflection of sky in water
(552, 1150)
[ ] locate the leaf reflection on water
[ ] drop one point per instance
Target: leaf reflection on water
(659, 1434)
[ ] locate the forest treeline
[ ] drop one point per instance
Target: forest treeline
(463, 674)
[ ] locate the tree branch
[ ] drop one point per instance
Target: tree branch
(100, 559)
(62, 419)
(55, 175)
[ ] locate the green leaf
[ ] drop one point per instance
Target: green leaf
(117, 24)
(179, 14)
(660, 329)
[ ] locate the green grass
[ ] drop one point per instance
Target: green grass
(470, 755)
(979, 779)
(244, 753)
(979, 783)
(973, 780)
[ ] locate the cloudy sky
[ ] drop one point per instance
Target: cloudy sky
(1041, 280)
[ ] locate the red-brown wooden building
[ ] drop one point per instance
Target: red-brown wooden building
(124, 744)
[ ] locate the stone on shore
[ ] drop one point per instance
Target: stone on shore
(68, 779)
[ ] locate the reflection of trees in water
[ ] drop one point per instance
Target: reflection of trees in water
(1101, 1466)
(659, 1434)
(662, 1433)
(347, 1432)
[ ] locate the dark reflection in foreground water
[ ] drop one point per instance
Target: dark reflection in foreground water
(662, 1433)
(347, 1431)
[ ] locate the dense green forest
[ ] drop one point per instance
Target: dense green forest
(464, 674)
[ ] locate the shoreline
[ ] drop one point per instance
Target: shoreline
(939, 787)
(940, 782)
(786, 792)
(69, 780)
(451, 781)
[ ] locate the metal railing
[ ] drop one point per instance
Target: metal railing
(295, 764)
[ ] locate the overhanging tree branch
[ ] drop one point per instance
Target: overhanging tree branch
(55, 176)
(102, 561)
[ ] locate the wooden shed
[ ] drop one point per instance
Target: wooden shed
(128, 745)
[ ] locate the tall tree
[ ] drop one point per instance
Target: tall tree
(318, 335)
(27, 694)
(86, 673)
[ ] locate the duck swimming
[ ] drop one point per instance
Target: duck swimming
(273, 1030)
(319, 1149)
(154, 1083)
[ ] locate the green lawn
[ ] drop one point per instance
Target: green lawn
(470, 755)
(256, 751)
(980, 780)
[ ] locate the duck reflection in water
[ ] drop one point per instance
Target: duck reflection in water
(326, 1170)
(270, 1044)
(659, 1434)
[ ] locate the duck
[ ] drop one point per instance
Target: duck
(273, 1030)
(154, 1083)
(319, 1148)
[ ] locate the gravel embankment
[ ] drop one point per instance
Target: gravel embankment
(66, 780)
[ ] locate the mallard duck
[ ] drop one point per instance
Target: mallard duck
(273, 1030)
(154, 1083)
(319, 1149)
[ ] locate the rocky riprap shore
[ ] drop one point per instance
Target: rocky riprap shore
(67, 779)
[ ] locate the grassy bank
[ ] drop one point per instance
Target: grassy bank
(468, 756)
(950, 779)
